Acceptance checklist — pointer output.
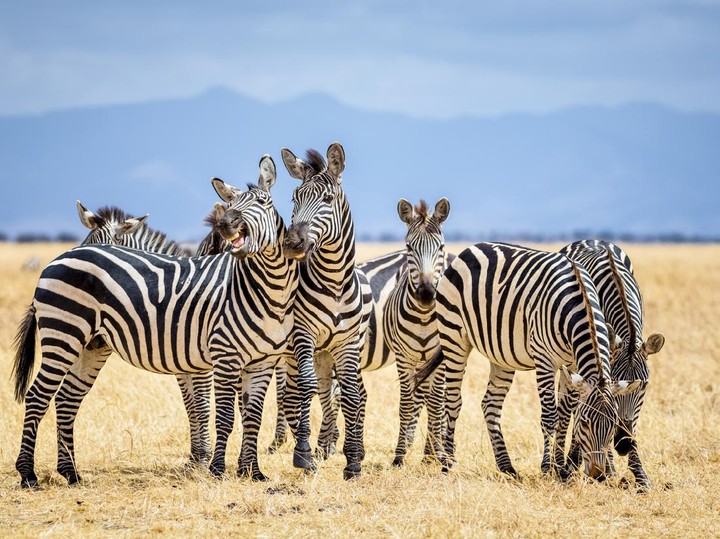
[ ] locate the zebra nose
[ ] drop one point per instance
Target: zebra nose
(296, 242)
(425, 292)
(623, 440)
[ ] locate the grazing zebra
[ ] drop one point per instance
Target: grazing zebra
(329, 308)
(526, 309)
(621, 301)
(168, 314)
(410, 328)
(111, 225)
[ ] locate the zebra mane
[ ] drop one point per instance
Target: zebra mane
(211, 220)
(422, 210)
(315, 160)
(591, 321)
(623, 298)
(112, 213)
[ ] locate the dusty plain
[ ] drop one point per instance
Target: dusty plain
(132, 444)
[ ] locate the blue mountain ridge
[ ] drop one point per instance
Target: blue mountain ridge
(638, 168)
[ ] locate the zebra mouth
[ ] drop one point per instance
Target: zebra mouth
(238, 241)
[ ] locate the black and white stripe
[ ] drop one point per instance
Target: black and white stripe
(167, 314)
(329, 304)
(526, 309)
(111, 225)
(611, 270)
(410, 328)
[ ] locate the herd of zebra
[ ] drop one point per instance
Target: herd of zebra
(259, 299)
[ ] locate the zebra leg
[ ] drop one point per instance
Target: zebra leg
(347, 368)
(455, 364)
(434, 398)
(255, 381)
(196, 389)
(226, 383)
(324, 373)
(77, 383)
(300, 389)
(567, 401)
(498, 386)
(545, 374)
(361, 415)
(37, 400)
(407, 408)
(636, 467)
(281, 422)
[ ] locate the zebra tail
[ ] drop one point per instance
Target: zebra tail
(24, 354)
(427, 368)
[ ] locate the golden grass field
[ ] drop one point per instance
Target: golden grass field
(132, 439)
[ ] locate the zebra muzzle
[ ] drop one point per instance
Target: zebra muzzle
(297, 245)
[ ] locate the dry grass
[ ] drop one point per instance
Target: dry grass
(132, 440)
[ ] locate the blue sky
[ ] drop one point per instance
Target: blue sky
(423, 59)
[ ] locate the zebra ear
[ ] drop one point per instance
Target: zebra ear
(654, 343)
(296, 167)
(624, 387)
(573, 380)
(225, 192)
(336, 160)
(219, 210)
(442, 210)
(615, 340)
(87, 218)
(128, 226)
(267, 173)
(405, 211)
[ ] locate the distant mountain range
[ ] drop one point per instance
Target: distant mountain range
(638, 169)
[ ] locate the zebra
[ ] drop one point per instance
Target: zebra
(611, 270)
(378, 277)
(527, 309)
(168, 314)
(410, 328)
(329, 306)
(111, 225)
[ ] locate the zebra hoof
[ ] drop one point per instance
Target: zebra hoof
(73, 478)
(277, 443)
(510, 470)
(303, 458)
(217, 470)
(564, 474)
(252, 472)
(352, 471)
(324, 452)
(30, 482)
(398, 462)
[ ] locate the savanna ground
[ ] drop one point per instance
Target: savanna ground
(132, 442)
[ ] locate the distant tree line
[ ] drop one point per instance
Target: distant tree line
(457, 236)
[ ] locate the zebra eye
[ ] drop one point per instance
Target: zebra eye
(327, 197)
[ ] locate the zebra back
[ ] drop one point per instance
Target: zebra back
(113, 226)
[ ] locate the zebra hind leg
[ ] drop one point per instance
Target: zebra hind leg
(327, 386)
(281, 424)
(75, 386)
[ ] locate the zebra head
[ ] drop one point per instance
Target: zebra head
(320, 207)
(596, 419)
(110, 225)
(248, 221)
(629, 361)
(425, 247)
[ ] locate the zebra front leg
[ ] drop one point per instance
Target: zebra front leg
(434, 398)
(567, 402)
(300, 389)
(347, 367)
(196, 390)
(254, 386)
(408, 400)
(636, 467)
(281, 424)
(75, 386)
(498, 386)
(545, 374)
(329, 405)
(226, 378)
(361, 415)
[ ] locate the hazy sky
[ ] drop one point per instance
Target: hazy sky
(418, 58)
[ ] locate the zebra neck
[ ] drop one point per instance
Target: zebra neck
(411, 305)
(331, 269)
